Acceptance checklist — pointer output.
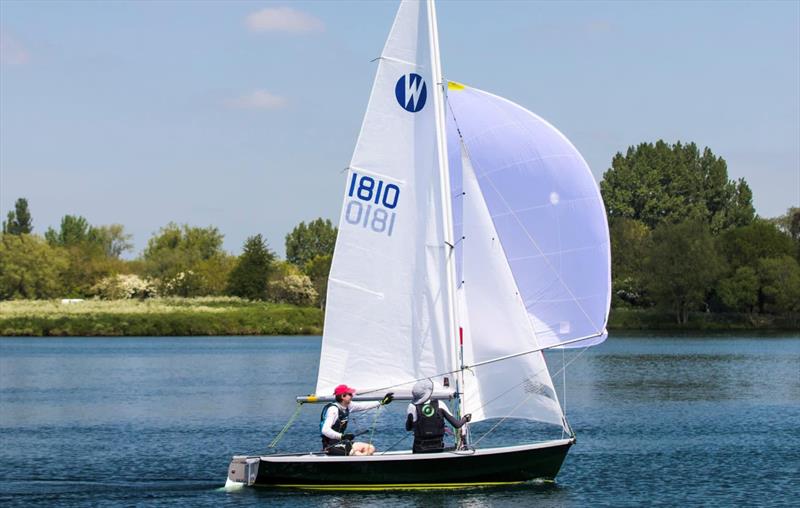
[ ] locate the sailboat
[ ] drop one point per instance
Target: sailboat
(472, 238)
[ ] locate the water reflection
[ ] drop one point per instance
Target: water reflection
(544, 494)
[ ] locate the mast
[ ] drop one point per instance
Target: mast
(447, 212)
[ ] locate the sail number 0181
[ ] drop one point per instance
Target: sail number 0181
(371, 209)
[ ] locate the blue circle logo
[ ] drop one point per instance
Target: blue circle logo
(411, 92)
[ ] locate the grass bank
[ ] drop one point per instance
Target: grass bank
(157, 317)
(234, 316)
(655, 320)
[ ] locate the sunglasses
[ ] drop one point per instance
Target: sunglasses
(349, 394)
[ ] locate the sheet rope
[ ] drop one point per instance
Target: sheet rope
(280, 434)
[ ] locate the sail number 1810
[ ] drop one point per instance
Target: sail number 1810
(372, 203)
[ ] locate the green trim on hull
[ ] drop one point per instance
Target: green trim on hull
(402, 486)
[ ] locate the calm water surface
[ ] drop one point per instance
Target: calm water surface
(130, 421)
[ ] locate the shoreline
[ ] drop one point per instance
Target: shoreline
(223, 316)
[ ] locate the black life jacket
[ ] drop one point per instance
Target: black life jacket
(340, 425)
(429, 427)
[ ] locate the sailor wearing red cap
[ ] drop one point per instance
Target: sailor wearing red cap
(333, 423)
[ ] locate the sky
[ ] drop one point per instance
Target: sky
(243, 115)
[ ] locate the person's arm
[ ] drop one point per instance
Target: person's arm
(356, 407)
(330, 418)
(450, 418)
(411, 414)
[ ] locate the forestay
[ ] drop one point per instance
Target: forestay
(546, 209)
(387, 316)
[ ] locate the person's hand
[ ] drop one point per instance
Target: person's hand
(387, 398)
(348, 437)
(468, 417)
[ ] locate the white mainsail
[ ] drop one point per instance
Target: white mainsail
(389, 313)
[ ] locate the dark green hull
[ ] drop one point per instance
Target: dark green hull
(495, 466)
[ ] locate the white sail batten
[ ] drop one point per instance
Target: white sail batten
(389, 310)
(548, 214)
(497, 322)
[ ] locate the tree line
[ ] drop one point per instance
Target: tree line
(684, 238)
(81, 260)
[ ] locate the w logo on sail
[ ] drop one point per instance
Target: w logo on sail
(411, 92)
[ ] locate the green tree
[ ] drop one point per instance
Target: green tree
(175, 249)
(112, 239)
(318, 270)
(682, 266)
(629, 240)
(304, 243)
(214, 273)
(656, 183)
(789, 222)
(780, 283)
(739, 292)
(19, 219)
(93, 252)
(74, 230)
(744, 246)
(250, 276)
(282, 269)
(29, 267)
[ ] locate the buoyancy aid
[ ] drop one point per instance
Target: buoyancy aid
(340, 425)
(429, 427)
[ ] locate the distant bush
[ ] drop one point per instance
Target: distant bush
(293, 289)
(124, 287)
(185, 283)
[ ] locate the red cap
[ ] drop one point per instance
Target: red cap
(342, 389)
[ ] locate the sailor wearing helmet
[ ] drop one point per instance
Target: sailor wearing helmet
(426, 418)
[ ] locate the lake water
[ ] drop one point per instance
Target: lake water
(154, 421)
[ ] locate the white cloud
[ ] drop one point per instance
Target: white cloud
(12, 52)
(283, 19)
(258, 99)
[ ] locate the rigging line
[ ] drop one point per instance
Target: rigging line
(455, 120)
(374, 423)
(562, 369)
(286, 427)
(479, 364)
(525, 400)
(453, 245)
(564, 387)
(543, 348)
(405, 436)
